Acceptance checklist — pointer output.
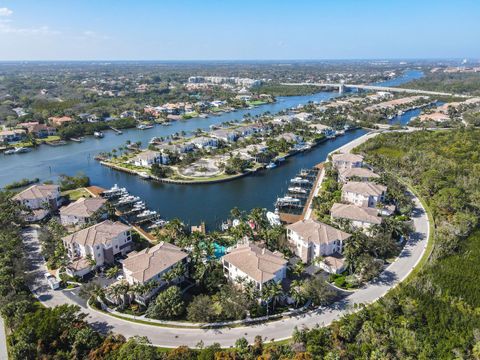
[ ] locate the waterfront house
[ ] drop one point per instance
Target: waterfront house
(290, 137)
(39, 130)
(148, 157)
(434, 116)
(364, 194)
(312, 238)
(362, 174)
(359, 217)
(180, 148)
(202, 142)
(100, 242)
(7, 136)
(151, 264)
(60, 120)
(226, 135)
(250, 263)
(40, 199)
(82, 211)
(303, 116)
(347, 161)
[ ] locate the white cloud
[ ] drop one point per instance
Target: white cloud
(89, 34)
(7, 28)
(5, 11)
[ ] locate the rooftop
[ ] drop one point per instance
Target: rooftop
(348, 157)
(355, 213)
(258, 263)
(83, 207)
(317, 232)
(101, 233)
(37, 192)
(364, 188)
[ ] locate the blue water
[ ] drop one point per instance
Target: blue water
(191, 203)
(219, 250)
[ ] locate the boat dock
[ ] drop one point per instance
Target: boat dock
(119, 132)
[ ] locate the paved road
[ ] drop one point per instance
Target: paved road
(226, 337)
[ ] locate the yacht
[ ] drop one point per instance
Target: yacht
(147, 213)
(98, 134)
(21, 150)
(271, 165)
(273, 218)
(9, 152)
(115, 191)
(287, 200)
(297, 189)
(299, 180)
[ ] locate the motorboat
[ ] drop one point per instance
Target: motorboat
(98, 134)
(21, 150)
(115, 191)
(299, 180)
(9, 152)
(271, 165)
(287, 200)
(147, 213)
(144, 127)
(297, 190)
(144, 175)
(273, 219)
(127, 200)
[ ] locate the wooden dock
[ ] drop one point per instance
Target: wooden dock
(149, 237)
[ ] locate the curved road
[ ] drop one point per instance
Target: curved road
(274, 330)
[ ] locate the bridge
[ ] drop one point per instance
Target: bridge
(342, 86)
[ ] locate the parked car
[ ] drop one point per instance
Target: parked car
(52, 281)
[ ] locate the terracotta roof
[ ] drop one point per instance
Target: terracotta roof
(79, 264)
(355, 213)
(149, 262)
(347, 157)
(101, 233)
(364, 188)
(37, 192)
(335, 261)
(258, 263)
(360, 172)
(316, 232)
(83, 207)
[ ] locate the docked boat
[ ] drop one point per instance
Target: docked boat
(271, 165)
(273, 219)
(166, 123)
(129, 199)
(297, 190)
(144, 127)
(287, 201)
(299, 180)
(115, 191)
(79, 139)
(147, 213)
(98, 134)
(9, 152)
(21, 150)
(144, 175)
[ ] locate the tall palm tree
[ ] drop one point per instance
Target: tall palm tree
(296, 292)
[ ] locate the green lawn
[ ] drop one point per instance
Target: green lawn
(75, 194)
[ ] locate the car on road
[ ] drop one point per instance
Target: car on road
(52, 281)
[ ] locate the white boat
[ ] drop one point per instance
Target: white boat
(98, 134)
(147, 213)
(287, 200)
(144, 175)
(9, 152)
(273, 218)
(21, 150)
(115, 191)
(297, 189)
(144, 127)
(271, 165)
(129, 199)
(280, 159)
(299, 180)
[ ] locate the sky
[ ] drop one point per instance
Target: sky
(238, 29)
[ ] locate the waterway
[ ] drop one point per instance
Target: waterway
(191, 203)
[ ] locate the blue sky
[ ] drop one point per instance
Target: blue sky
(234, 29)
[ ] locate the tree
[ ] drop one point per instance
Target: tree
(201, 309)
(318, 291)
(137, 348)
(168, 304)
(92, 290)
(112, 272)
(161, 171)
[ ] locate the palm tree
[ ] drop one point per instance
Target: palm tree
(112, 272)
(92, 290)
(298, 268)
(296, 292)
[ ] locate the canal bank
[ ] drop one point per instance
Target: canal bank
(210, 203)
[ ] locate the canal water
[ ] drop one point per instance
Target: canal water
(191, 203)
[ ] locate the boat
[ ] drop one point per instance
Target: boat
(98, 134)
(9, 152)
(273, 219)
(147, 213)
(166, 123)
(287, 200)
(144, 127)
(115, 191)
(271, 165)
(79, 139)
(127, 200)
(297, 189)
(21, 150)
(299, 180)
(280, 159)
(144, 175)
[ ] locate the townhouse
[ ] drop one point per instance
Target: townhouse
(40, 199)
(360, 217)
(347, 161)
(363, 194)
(82, 211)
(360, 173)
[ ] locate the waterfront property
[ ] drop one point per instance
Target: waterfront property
(9, 136)
(98, 244)
(312, 239)
(347, 161)
(360, 173)
(249, 262)
(151, 264)
(41, 200)
(360, 217)
(365, 194)
(82, 211)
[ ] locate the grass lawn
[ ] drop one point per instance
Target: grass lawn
(256, 102)
(75, 194)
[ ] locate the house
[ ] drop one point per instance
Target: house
(255, 264)
(152, 263)
(100, 242)
(225, 135)
(41, 199)
(290, 137)
(176, 148)
(202, 142)
(81, 211)
(363, 174)
(360, 217)
(434, 116)
(148, 157)
(303, 116)
(364, 194)
(7, 136)
(333, 264)
(311, 238)
(60, 120)
(347, 161)
(39, 130)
